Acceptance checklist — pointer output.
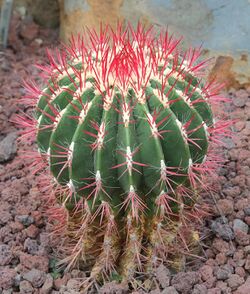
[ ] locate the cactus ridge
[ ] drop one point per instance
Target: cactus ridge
(125, 126)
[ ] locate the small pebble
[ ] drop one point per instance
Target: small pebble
(163, 276)
(223, 230)
(26, 288)
(247, 263)
(5, 254)
(240, 225)
(225, 206)
(183, 282)
(206, 272)
(169, 290)
(35, 277)
(222, 274)
(31, 246)
(235, 281)
(240, 99)
(8, 147)
(247, 211)
(199, 289)
(47, 286)
(244, 288)
(214, 291)
(26, 220)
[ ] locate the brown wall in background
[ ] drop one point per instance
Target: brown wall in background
(77, 14)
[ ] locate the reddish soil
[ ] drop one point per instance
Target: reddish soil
(26, 261)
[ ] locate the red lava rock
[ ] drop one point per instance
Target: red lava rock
(11, 195)
(31, 246)
(235, 281)
(198, 289)
(222, 229)
(232, 192)
(225, 206)
(35, 277)
(247, 249)
(6, 217)
(214, 291)
(223, 272)
(183, 282)
(32, 231)
(220, 245)
(156, 291)
(163, 276)
(38, 218)
(221, 258)
(241, 204)
(4, 231)
(44, 240)
(221, 285)
(242, 238)
(59, 282)
(247, 220)
(26, 287)
(34, 261)
(248, 181)
(243, 154)
(247, 263)
(240, 215)
(5, 254)
(22, 212)
(22, 186)
(16, 226)
(210, 253)
(240, 271)
(239, 257)
(206, 272)
(25, 219)
(168, 290)
(114, 287)
(211, 262)
(8, 147)
(241, 98)
(7, 276)
(239, 125)
(34, 192)
(244, 288)
(209, 283)
(239, 180)
(47, 286)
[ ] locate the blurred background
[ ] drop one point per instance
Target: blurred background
(221, 26)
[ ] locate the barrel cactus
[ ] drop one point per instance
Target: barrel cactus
(125, 136)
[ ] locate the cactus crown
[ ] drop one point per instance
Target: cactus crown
(125, 125)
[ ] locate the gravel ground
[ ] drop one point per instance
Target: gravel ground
(26, 262)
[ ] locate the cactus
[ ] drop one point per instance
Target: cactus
(126, 136)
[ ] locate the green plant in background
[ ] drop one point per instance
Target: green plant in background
(125, 135)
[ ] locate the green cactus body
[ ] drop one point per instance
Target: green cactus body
(124, 123)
